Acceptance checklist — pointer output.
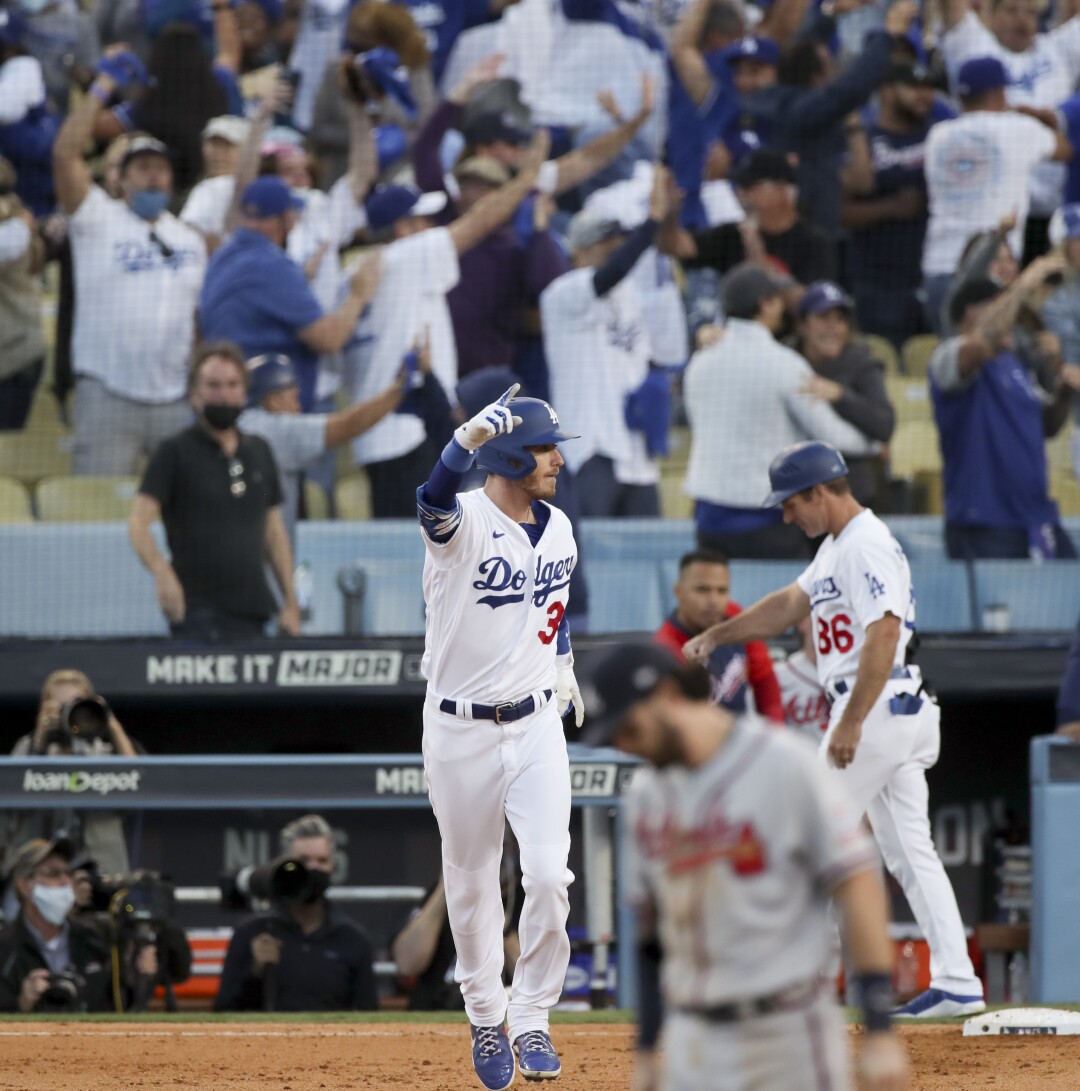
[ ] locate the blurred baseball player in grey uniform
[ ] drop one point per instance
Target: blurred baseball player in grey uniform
(732, 891)
(884, 730)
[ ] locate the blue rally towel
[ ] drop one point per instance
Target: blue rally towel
(648, 410)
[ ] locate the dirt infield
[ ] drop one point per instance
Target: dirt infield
(433, 1057)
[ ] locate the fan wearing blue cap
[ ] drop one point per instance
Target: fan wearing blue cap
(255, 295)
(298, 439)
(884, 730)
(847, 375)
(980, 168)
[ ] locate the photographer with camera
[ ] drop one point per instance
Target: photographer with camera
(72, 720)
(304, 955)
(49, 962)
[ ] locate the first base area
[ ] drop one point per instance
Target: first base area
(1023, 1021)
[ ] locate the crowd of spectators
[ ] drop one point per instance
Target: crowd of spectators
(657, 214)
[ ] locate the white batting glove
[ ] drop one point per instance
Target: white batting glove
(493, 420)
(566, 688)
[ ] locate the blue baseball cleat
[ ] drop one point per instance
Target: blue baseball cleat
(492, 1057)
(536, 1055)
(938, 1004)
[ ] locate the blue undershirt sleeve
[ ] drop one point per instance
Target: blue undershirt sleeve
(436, 500)
(562, 642)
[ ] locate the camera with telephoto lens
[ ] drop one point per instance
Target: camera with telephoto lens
(143, 898)
(63, 993)
(85, 718)
(284, 880)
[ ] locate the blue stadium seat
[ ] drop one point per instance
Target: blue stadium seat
(75, 580)
(624, 597)
(942, 596)
(635, 539)
(1039, 597)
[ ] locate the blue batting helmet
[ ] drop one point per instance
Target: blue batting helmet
(802, 466)
(507, 455)
(268, 374)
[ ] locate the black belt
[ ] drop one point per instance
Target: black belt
(786, 1000)
(506, 713)
(841, 687)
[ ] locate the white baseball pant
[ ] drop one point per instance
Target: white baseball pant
(479, 775)
(887, 782)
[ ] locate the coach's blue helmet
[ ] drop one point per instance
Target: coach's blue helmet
(802, 466)
(507, 455)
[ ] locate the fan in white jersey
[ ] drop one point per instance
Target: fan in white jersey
(497, 650)
(732, 891)
(805, 703)
(884, 729)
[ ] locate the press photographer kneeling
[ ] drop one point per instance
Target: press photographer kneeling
(304, 955)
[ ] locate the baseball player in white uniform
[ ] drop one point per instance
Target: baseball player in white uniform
(499, 669)
(884, 731)
(733, 892)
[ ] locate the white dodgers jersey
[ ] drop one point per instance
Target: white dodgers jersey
(494, 604)
(856, 579)
(741, 886)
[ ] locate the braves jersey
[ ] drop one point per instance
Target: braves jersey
(494, 603)
(741, 886)
(856, 579)
(806, 708)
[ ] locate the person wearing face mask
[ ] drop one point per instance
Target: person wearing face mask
(137, 273)
(255, 295)
(218, 492)
(303, 955)
(43, 940)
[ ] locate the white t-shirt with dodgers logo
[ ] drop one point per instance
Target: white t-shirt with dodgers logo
(598, 351)
(494, 604)
(856, 579)
(134, 304)
(978, 169)
(1044, 75)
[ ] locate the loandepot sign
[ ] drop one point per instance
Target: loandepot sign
(81, 782)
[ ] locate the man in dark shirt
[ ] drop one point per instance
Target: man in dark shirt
(884, 204)
(218, 493)
(766, 187)
(304, 956)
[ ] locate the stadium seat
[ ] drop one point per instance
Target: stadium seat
(34, 454)
(14, 502)
(910, 398)
(916, 352)
(316, 504)
(885, 351)
(914, 446)
(942, 597)
(352, 496)
(1065, 489)
(1038, 597)
(624, 597)
(85, 499)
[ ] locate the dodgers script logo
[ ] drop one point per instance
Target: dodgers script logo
(824, 590)
(505, 584)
